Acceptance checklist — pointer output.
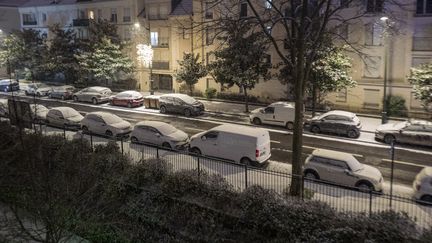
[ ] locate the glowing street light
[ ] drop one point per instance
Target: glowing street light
(144, 54)
(137, 25)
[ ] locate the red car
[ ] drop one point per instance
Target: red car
(128, 98)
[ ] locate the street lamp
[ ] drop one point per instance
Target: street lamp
(385, 19)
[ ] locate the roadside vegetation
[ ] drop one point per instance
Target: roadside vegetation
(101, 196)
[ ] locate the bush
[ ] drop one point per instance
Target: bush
(236, 97)
(210, 93)
(184, 89)
(396, 106)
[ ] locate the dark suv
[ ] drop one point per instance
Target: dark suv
(180, 103)
(338, 122)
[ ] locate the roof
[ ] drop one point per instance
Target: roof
(420, 122)
(340, 113)
(282, 103)
(239, 129)
(100, 113)
(349, 158)
(98, 87)
(12, 3)
(132, 92)
(183, 8)
(155, 124)
(177, 95)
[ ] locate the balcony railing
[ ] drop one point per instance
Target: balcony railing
(162, 42)
(30, 22)
(81, 22)
(422, 43)
(157, 16)
(160, 65)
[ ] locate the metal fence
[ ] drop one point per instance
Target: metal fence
(342, 198)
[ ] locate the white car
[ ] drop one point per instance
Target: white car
(38, 89)
(159, 133)
(38, 113)
(63, 117)
(423, 185)
(278, 113)
(104, 123)
(342, 169)
(241, 144)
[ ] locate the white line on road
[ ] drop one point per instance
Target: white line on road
(274, 141)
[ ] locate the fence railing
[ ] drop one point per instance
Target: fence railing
(342, 198)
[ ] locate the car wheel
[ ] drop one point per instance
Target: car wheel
(162, 109)
(315, 129)
(26, 92)
(94, 101)
(109, 133)
(195, 150)
(187, 112)
(129, 105)
(246, 161)
(134, 139)
(352, 134)
(75, 98)
(388, 138)
(289, 125)
(426, 198)
(62, 97)
(312, 175)
(166, 145)
(85, 129)
(365, 186)
(256, 121)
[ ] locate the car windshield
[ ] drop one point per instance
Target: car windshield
(401, 125)
(167, 129)
(70, 113)
(354, 164)
(188, 99)
(111, 119)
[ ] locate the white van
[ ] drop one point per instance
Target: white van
(279, 113)
(242, 144)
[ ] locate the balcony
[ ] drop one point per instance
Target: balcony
(160, 65)
(81, 22)
(422, 44)
(157, 16)
(162, 42)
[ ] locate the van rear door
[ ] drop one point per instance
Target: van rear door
(263, 150)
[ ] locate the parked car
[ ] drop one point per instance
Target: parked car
(279, 113)
(423, 185)
(104, 123)
(64, 117)
(95, 94)
(38, 89)
(38, 113)
(7, 85)
(242, 144)
(417, 132)
(343, 169)
(4, 108)
(159, 133)
(128, 98)
(337, 122)
(180, 103)
(64, 92)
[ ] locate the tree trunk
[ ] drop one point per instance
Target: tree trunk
(190, 90)
(314, 99)
(246, 99)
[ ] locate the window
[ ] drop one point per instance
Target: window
(210, 57)
(211, 135)
(372, 67)
(268, 4)
(208, 11)
(243, 10)
(127, 34)
(417, 61)
(338, 163)
(154, 38)
(29, 19)
(163, 11)
(209, 36)
(113, 15)
(341, 96)
(269, 110)
(91, 14)
(374, 6)
(44, 17)
(81, 14)
(372, 98)
(126, 15)
(373, 34)
(424, 7)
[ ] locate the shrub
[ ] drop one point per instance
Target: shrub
(236, 97)
(184, 89)
(396, 106)
(210, 93)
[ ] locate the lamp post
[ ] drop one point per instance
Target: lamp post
(384, 19)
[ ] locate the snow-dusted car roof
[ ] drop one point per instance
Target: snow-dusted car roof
(131, 92)
(154, 124)
(239, 129)
(330, 154)
(339, 113)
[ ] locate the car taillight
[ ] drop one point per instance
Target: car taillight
(257, 153)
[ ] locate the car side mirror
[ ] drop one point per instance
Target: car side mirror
(348, 172)
(203, 138)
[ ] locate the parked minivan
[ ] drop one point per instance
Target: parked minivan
(278, 113)
(242, 144)
(423, 185)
